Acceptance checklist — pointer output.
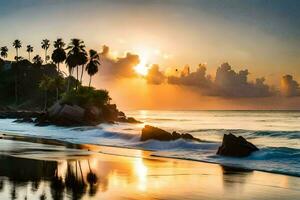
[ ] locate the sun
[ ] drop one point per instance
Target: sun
(142, 68)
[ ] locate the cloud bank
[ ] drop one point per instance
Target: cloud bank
(118, 67)
(227, 82)
(289, 87)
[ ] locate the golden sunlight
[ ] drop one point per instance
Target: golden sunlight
(142, 68)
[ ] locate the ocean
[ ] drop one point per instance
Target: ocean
(276, 133)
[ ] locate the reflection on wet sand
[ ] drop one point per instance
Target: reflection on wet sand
(131, 175)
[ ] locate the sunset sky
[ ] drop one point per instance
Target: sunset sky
(262, 36)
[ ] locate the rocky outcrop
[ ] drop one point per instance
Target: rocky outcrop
(12, 114)
(69, 115)
(154, 133)
(236, 146)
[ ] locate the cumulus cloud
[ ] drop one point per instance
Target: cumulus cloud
(118, 67)
(235, 84)
(197, 78)
(289, 87)
(155, 76)
(227, 83)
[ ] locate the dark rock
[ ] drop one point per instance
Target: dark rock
(236, 146)
(93, 115)
(150, 132)
(187, 136)
(132, 120)
(24, 120)
(176, 135)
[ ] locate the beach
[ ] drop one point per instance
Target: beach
(51, 169)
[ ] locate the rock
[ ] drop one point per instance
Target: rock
(93, 115)
(176, 135)
(110, 112)
(150, 132)
(70, 115)
(236, 146)
(24, 120)
(187, 136)
(132, 120)
(54, 110)
(128, 120)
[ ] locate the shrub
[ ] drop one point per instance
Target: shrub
(86, 96)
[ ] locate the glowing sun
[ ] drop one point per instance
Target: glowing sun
(142, 68)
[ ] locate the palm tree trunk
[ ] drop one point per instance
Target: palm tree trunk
(16, 76)
(81, 74)
(77, 77)
(29, 56)
(46, 56)
(90, 81)
(58, 67)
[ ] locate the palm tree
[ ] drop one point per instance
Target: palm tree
(29, 50)
(45, 45)
(59, 54)
(76, 50)
(3, 51)
(83, 58)
(70, 61)
(93, 64)
(17, 45)
(37, 60)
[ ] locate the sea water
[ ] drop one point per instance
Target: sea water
(276, 133)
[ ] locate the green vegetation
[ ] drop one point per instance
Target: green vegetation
(86, 97)
(30, 84)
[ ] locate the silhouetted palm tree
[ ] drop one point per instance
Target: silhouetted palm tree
(45, 45)
(93, 64)
(29, 51)
(70, 61)
(76, 49)
(83, 58)
(37, 60)
(4, 51)
(59, 54)
(17, 45)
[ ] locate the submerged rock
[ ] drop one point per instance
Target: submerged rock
(154, 133)
(236, 146)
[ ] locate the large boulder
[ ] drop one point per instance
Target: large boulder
(236, 146)
(93, 115)
(70, 115)
(154, 133)
(150, 132)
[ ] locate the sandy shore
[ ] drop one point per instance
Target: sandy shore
(38, 168)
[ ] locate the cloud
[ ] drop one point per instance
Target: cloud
(289, 87)
(118, 67)
(227, 83)
(198, 78)
(235, 84)
(155, 76)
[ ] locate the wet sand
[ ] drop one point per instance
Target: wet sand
(41, 168)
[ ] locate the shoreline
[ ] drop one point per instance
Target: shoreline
(89, 147)
(126, 173)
